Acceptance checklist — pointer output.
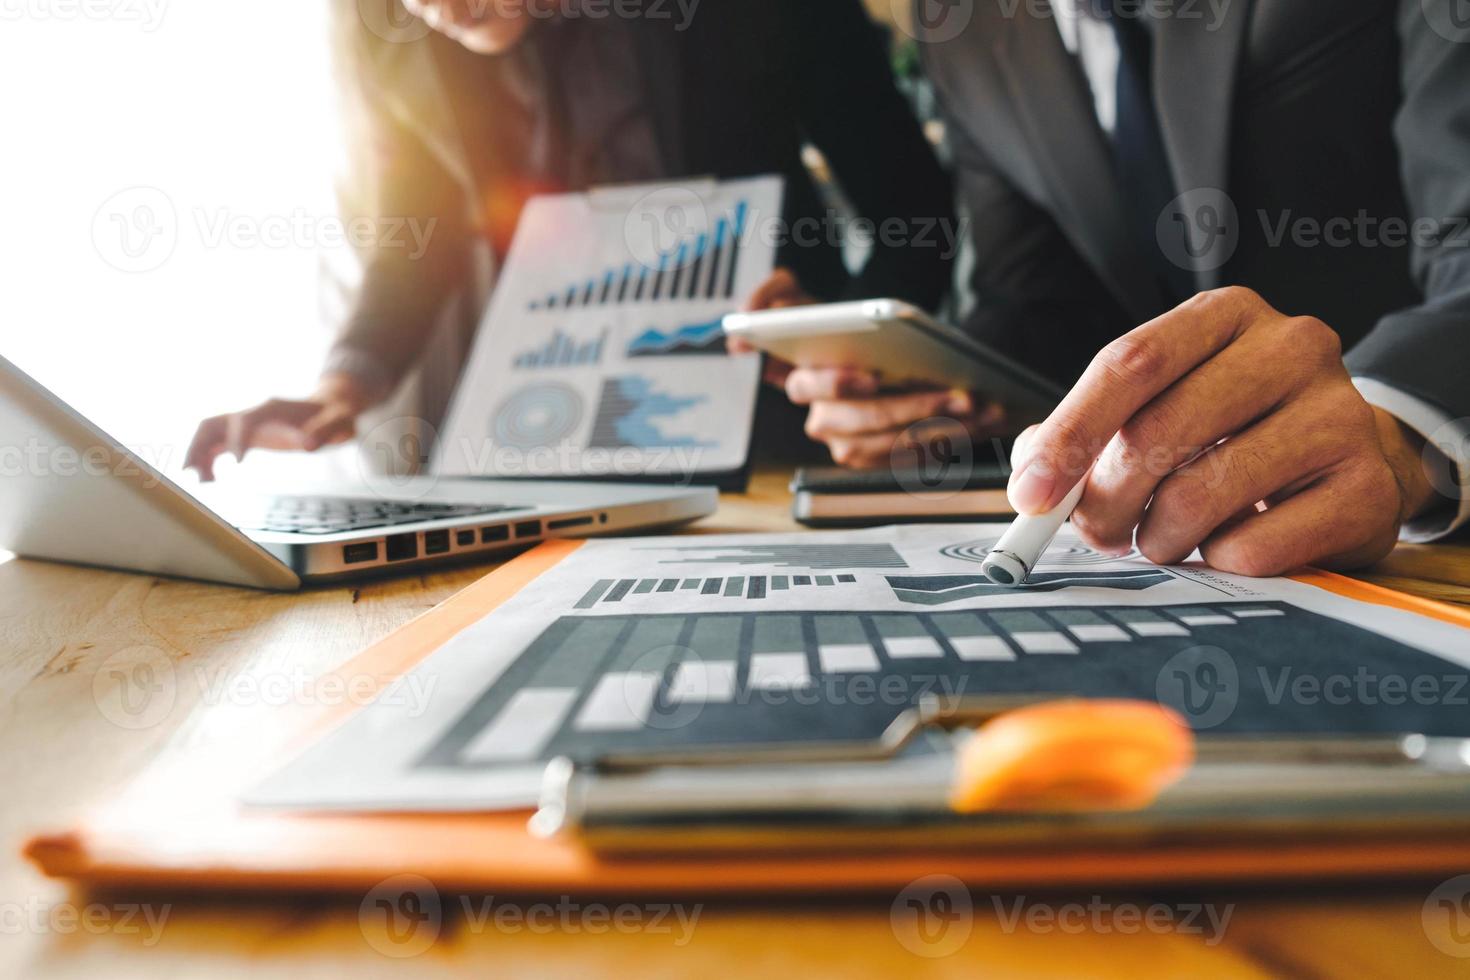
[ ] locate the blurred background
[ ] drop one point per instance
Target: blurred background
(156, 222)
(171, 246)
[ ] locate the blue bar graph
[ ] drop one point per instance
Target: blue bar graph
(563, 351)
(699, 266)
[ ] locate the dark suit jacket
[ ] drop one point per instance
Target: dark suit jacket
(1295, 109)
(733, 95)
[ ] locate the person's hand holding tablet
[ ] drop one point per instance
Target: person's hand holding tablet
(859, 416)
(862, 425)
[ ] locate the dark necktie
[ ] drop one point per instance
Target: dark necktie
(1138, 146)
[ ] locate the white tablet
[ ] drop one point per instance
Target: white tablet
(900, 343)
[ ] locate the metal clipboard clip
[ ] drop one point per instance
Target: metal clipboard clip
(969, 759)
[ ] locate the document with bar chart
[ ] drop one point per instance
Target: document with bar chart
(602, 353)
(657, 643)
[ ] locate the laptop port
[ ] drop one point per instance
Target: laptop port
(567, 522)
(493, 533)
(436, 542)
(528, 529)
(464, 538)
(355, 554)
(402, 547)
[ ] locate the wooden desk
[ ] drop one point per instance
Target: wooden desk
(58, 754)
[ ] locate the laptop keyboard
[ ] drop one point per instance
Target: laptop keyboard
(332, 515)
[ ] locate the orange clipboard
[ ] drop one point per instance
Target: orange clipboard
(180, 825)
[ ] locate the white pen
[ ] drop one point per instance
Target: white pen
(1025, 541)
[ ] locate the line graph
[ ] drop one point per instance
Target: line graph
(941, 590)
(693, 338)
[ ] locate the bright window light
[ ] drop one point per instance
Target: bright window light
(166, 181)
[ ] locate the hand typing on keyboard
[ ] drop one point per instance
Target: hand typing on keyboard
(327, 417)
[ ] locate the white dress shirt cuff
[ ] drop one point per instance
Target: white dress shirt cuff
(1449, 463)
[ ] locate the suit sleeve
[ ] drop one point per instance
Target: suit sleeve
(1425, 350)
(408, 219)
(851, 110)
(1034, 296)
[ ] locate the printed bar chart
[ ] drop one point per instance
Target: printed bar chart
(816, 555)
(714, 677)
(562, 350)
(734, 587)
(701, 266)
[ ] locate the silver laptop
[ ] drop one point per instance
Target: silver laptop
(69, 492)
